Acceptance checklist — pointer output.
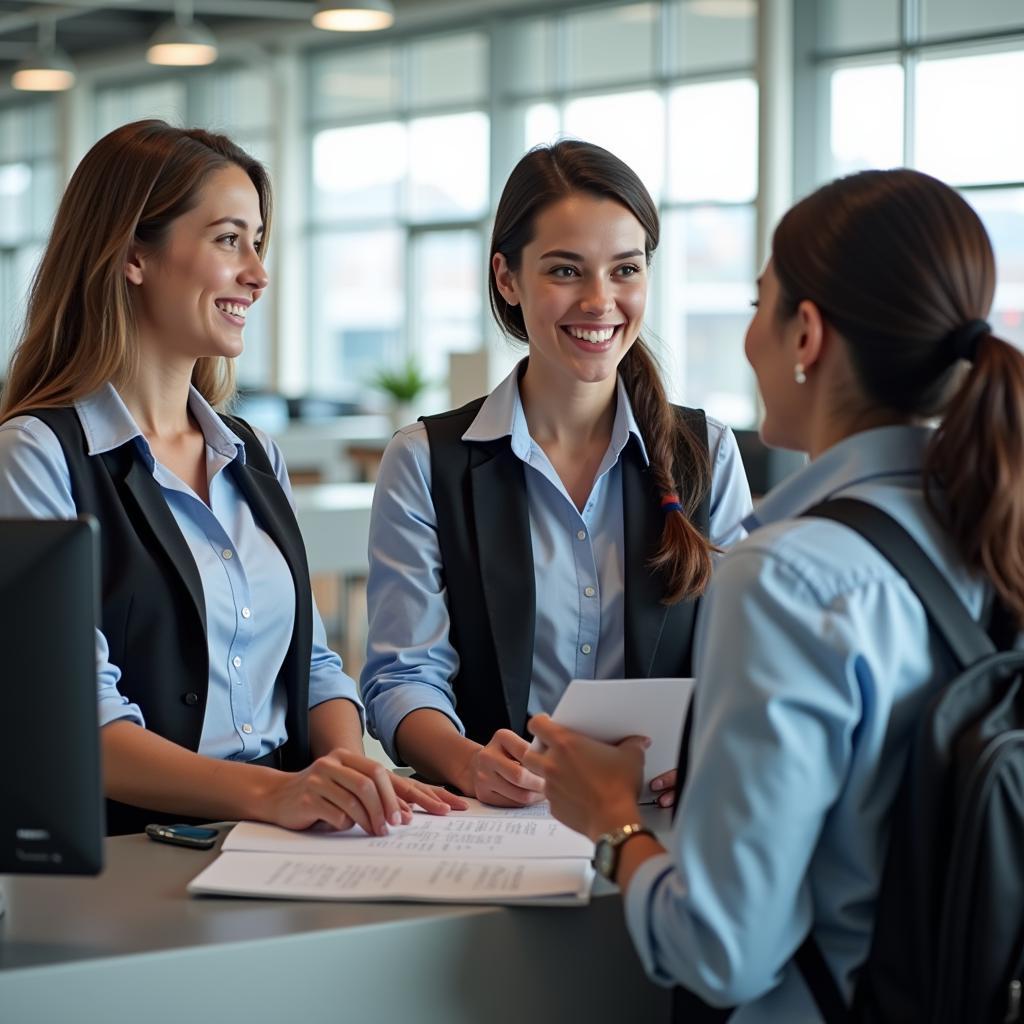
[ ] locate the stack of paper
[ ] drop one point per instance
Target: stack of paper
(482, 855)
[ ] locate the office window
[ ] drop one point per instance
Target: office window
(122, 103)
(630, 124)
(358, 280)
(1002, 212)
(960, 134)
(866, 117)
(446, 296)
(29, 193)
(448, 157)
(401, 172)
(358, 172)
(611, 44)
(713, 131)
(953, 17)
(712, 36)
(677, 101)
(930, 105)
(855, 24)
(706, 273)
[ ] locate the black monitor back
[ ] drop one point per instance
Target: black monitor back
(51, 810)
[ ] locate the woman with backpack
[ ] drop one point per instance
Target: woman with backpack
(561, 527)
(814, 657)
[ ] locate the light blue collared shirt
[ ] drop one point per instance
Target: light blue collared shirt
(578, 560)
(246, 582)
(814, 662)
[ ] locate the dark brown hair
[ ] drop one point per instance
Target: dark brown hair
(897, 262)
(542, 177)
(80, 326)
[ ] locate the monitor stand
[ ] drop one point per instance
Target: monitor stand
(3, 900)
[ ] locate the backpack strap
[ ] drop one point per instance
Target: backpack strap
(821, 982)
(966, 640)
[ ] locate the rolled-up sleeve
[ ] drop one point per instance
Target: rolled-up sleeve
(328, 679)
(730, 492)
(724, 910)
(410, 661)
(35, 484)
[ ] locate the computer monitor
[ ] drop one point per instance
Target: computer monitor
(52, 809)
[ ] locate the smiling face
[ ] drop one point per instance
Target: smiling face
(194, 292)
(582, 287)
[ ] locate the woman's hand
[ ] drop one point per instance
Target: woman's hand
(432, 799)
(592, 786)
(341, 789)
(496, 775)
(664, 786)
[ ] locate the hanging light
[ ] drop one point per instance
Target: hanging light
(354, 15)
(46, 69)
(182, 41)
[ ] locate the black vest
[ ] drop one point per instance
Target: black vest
(153, 610)
(483, 527)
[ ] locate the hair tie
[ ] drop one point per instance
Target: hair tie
(963, 341)
(671, 503)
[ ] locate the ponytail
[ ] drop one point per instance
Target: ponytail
(685, 554)
(974, 470)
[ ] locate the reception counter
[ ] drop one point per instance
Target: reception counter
(131, 945)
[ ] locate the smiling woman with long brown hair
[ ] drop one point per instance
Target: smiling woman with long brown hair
(218, 698)
(564, 525)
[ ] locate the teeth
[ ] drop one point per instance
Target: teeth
(594, 337)
(233, 308)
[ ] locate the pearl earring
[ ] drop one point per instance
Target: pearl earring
(798, 374)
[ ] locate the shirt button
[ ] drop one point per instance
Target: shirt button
(246, 613)
(228, 553)
(236, 661)
(585, 648)
(247, 728)
(589, 591)
(581, 534)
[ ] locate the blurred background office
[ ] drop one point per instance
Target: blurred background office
(388, 149)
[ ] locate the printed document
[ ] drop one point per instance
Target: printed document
(445, 879)
(453, 835)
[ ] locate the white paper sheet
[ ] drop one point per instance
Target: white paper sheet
(612, 709)
(451, 880)
(424, 836)
(477, 809)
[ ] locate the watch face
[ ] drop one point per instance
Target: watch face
(604, 858)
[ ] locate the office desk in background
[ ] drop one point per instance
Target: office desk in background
(335, 524)
(319, 450)
(131, 946)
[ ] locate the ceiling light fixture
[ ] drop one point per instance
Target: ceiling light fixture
(182, 42)
(46, 69)
(354, 15)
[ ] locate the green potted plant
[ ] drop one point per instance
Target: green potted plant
(404, 384)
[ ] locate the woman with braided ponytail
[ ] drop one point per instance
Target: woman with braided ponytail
(563, 526)
(815, 656)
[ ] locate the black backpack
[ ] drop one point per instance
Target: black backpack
(948, 942)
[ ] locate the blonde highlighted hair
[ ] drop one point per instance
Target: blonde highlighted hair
(79, 327)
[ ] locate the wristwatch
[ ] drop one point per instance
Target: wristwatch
(609, 848)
